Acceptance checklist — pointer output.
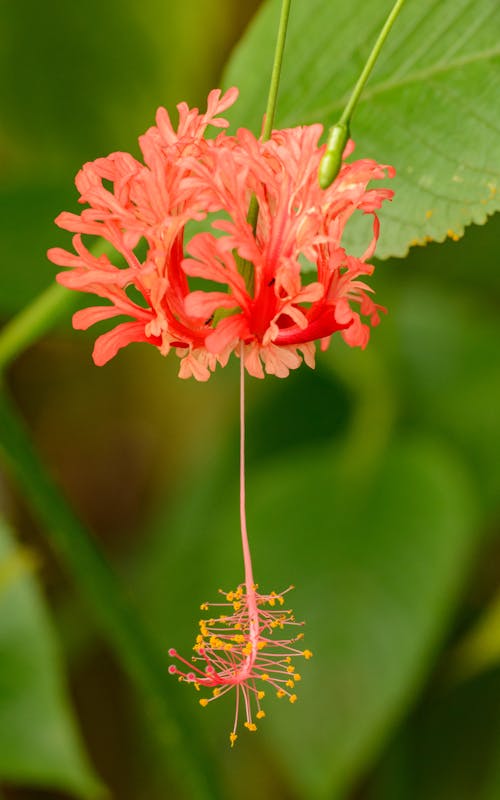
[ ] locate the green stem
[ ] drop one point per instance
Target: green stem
(31, 323)
(276, 72)
(339, 133)
(356, 92)
(245, 267)
(135, 648)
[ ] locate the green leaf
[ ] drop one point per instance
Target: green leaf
(440, 339)
(377, 565)
(449, 749)
(430, 108)
(39, 743)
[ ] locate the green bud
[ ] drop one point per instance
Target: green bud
(331, 162)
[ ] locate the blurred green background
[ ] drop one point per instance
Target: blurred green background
(373, 481)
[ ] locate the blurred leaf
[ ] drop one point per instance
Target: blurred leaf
(77, 83)
(16, 563)
(27, 230)
(90, 80)
(479, 649)
(430, 108)
(39, 744)
(378, 565)
(441, 341)
(449, 750)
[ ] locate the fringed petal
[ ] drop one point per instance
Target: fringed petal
(107, 345)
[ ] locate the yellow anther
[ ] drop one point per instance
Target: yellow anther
(222, 618)
(288, 660)
(290, 668)
(216, 692)
(239, 639)
(281, 600)
(264, 677)
(260, 714)
(272, 601)
(247, 649)
(307, 654)
(292, 698)
(236, 605)
(203, 702)
(290, 684)
(251, 726)
(204, 607)
(228, 646)
(237, 626)
(261, 695)
(261, 645)
(297, 677)
(230, 597)
(232, 737)
(280, 693)
(197, 686)
(274, 624)
(299, 636)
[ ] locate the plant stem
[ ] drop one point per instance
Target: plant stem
(31, 323)
(276, 71)
(135, 648)
(246, 268)
(339, 133)
(370, 63)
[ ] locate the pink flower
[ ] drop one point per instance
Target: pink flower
(237, 651)
(142, 209)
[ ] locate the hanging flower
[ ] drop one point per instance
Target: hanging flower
(238, 650)
(142, 210)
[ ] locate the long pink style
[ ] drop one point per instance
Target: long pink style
(237, 647)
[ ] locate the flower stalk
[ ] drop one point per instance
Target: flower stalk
(339, 133)
(245, 266)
